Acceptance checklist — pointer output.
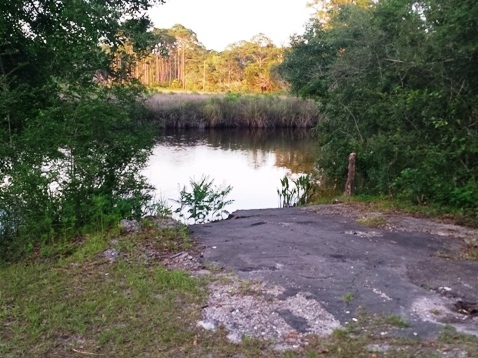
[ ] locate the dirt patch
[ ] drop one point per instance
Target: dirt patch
(260, 310)
(397, 221)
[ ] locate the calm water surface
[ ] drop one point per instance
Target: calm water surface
(251, 161)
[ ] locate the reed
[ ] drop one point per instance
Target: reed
(193, 110)
(298, 194)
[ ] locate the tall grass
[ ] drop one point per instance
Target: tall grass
(231, 110)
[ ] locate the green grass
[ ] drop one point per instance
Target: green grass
(373, 221)
(98, 308)
(81, 304)
(348, 297)
(231, 110)
(84, 303)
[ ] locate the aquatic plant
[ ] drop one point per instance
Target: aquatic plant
(204, 202)
(298, 194)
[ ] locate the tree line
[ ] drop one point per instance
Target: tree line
(397, 83)
(178, 60)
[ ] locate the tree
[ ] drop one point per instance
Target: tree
(71, 147)
(396, 82)
(325, 10)
(177, 60)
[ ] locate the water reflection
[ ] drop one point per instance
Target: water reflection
(252, 161)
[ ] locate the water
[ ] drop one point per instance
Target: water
(251, 161)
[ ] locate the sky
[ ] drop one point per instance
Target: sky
(219, 23)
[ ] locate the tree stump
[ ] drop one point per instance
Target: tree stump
(349, 186)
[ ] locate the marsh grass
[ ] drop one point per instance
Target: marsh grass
(184, 110)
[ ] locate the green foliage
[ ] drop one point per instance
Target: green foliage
(299, 194)
(159, 207)
(72, 149)
(348, 297)
(204, 203)
(397, 84)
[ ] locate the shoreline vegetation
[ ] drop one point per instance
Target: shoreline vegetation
(230, 110)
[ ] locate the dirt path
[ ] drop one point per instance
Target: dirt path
(311, 270)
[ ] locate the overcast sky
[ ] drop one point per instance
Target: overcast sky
(219, 23)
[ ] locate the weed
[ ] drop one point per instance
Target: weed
(340, 333)
(214, 268)
(348, 297)
(449, 335)
(395, 321)
(373, 221)
(248, 287)
(158, 207)
(204, 202)
(470, 252)
(299, 194)
(426, 287)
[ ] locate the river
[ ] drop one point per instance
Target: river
(251, 161)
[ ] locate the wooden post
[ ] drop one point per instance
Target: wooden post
(349, 186)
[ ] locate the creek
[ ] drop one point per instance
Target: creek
(251, 161)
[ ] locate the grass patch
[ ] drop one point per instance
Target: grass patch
(114, 310)
(231, 110)
(365, 338)
(87, 305)
(373, 221)
(387, 204)
(395, 321)
(348, 297)
(470, 252)
(449, 335)
(441, 213)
